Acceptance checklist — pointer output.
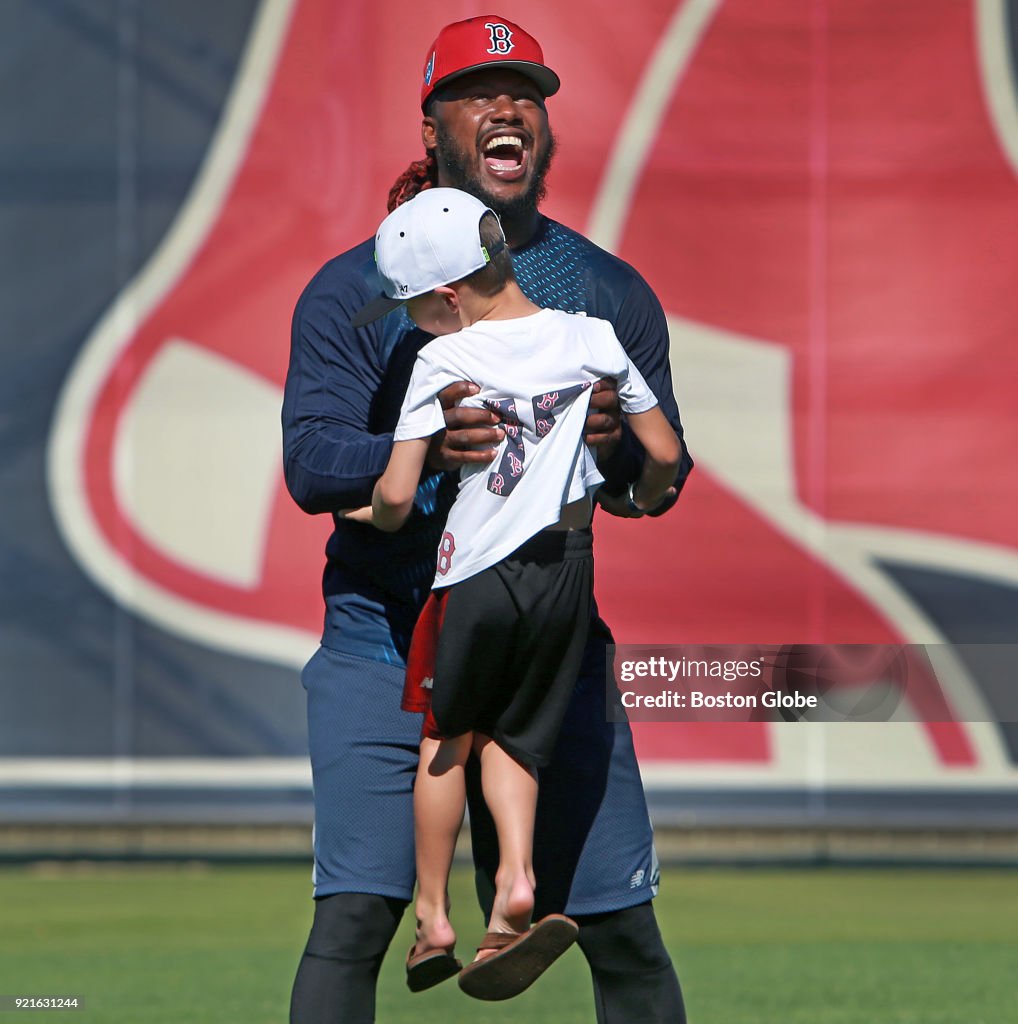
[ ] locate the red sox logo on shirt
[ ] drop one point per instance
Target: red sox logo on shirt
(446, 549)
(844, 399)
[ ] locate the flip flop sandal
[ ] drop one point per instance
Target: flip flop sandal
(520, 959)
(426, 970)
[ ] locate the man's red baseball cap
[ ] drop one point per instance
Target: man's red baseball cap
(486, 41)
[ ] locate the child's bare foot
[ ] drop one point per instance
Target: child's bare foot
(512, 909)
(434, 932)
(431, 960)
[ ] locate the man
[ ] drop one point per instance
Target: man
(485, 130)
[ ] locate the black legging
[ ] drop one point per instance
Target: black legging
(634, 982)
(338, 972)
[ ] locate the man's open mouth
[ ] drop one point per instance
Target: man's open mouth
(505, 156)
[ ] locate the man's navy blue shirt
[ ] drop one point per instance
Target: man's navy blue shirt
(344, 391)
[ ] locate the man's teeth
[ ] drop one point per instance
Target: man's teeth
(503, 140)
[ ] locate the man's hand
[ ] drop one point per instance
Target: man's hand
(618, 504)
(603, 429)
(465, 428)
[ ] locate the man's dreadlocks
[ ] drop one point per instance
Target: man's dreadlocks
(420, 175)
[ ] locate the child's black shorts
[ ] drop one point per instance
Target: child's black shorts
(511, 643)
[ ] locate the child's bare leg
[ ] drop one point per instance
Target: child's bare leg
(510, 791)
(439, 800)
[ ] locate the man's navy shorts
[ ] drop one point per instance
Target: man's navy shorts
(593, 847)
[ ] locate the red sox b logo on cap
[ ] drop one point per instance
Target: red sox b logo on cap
(501, 37)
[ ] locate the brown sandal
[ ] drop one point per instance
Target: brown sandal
(426, 970)
(520, 959)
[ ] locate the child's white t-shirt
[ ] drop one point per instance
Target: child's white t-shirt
(536, 373)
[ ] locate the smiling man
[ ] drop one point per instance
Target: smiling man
(485, 130)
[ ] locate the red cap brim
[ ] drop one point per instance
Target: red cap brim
(543, 77)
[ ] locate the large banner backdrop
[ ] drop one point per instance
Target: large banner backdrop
(823, 194)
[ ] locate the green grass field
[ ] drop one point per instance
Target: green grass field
(176, 945)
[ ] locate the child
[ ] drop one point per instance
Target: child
(514, 580)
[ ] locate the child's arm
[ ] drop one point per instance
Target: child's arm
(393, 496)
(661, 464)
(395, 489)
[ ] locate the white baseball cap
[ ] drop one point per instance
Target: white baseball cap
(431, 240)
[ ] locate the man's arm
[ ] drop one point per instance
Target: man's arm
(330, 458)
(643, 330)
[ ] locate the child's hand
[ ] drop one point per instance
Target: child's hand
(357, 515)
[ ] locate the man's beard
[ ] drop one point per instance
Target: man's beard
(455, 162)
